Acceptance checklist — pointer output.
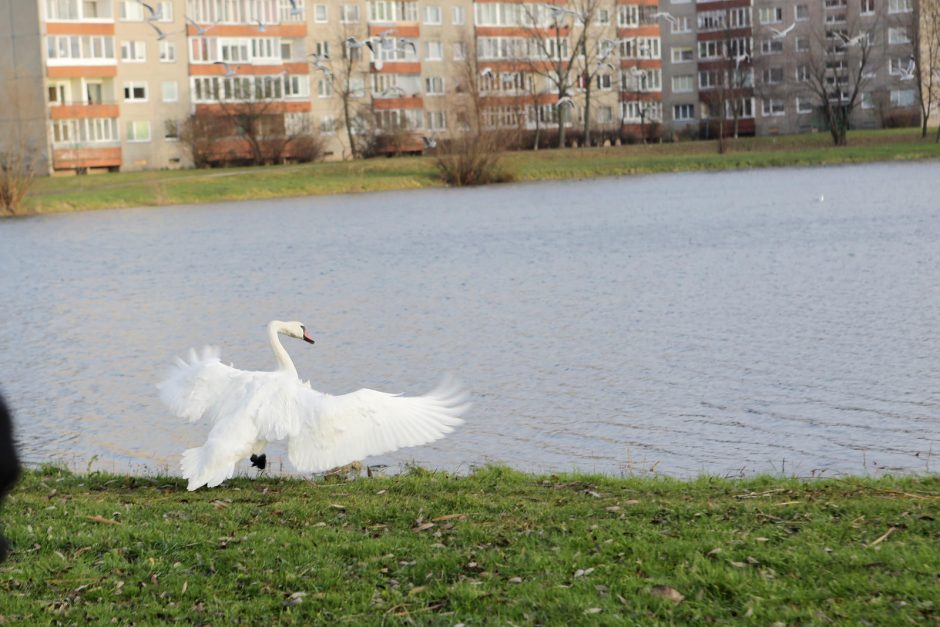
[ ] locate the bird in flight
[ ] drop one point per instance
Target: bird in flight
(669, 17)
(229, 70)
(780, 34)
(200, 30)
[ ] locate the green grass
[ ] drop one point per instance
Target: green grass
(495, 547)
(132, 189)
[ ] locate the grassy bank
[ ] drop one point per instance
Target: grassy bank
(55, 194)
(494, 547)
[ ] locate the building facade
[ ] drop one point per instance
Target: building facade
(132, 84)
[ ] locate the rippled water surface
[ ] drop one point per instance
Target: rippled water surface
(716, 323)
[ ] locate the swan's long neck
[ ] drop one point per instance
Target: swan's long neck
(280, 354)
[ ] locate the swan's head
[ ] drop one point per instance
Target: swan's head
(292, 329)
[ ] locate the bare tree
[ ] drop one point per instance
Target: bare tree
(922, 25)
(598, 49)
(836, 69)
(200, 133)
(549, 29)
(345, 73)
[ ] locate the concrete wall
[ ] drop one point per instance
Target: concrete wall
(23, 111)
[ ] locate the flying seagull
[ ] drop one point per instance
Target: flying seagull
(229, 70)
(565, 100)
(852, 41)
(907, 73)
(155, 14)
(200, 30)
(669, 17)
(160, 34)
(780, 34)
(294, 9)
(393, 89)
(429, 142)
(487, 72)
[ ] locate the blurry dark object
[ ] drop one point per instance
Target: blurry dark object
(9, 464)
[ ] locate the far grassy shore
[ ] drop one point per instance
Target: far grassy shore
(495, 547)
(132, 189)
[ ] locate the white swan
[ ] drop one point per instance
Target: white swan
(250, 409)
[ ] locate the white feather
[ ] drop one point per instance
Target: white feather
(249, 409)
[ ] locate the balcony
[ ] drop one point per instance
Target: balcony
(81, 110)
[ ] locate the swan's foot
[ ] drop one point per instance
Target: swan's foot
(259, 461)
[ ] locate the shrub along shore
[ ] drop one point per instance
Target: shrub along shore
(496, 546)
(173, 187)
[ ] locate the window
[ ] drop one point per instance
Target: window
(135, 91)
(324, 88)
(682, 55)
(131, 11)
(867, 7)
(682, 112)
(322, 48)
(604, 82)
(772, 75)
(902, 97)
(434, 86)
(287, 52)
(169, 91)
(867, 102)
(459, 16)
(138, 131)
(133, 52)
(900, 6)
(171, 130)
(165, 11)
(435, 51)
(436, 120)
(802, 44)
(349, 14)
(710, 49)
(804, 105)
(683, 83)
(604, 115)
(801, 12)
(432, 14)
(603, 17)
(898, 36)
(773, 106)
(328, 125)
(357, 87)
(460, 51)
(771, 46)
(167, 52)
(319, 13)
(62, 10)
(681, 25)
(770, 15)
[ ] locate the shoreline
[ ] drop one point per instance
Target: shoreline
(189, 187)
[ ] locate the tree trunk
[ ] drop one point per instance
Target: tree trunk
(349, 133)
(587, 114)
(562, 111)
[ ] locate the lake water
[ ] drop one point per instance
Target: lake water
(723, 323)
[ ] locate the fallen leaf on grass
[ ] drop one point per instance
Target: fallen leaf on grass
(515, 580)
(448, 517)
(101, 519)
(714, 551)
(631, 502)
(218, 504)
(581, 572)
(341, 508)
(613, 509)
(593, 610)
(295, 599)
(424, 526)
(667, 592)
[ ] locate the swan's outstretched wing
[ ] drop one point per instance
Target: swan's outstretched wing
(245, 408)
(337, 430)
(194, 385)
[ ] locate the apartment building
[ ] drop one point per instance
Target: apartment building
(767, 66)
(111, 84)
